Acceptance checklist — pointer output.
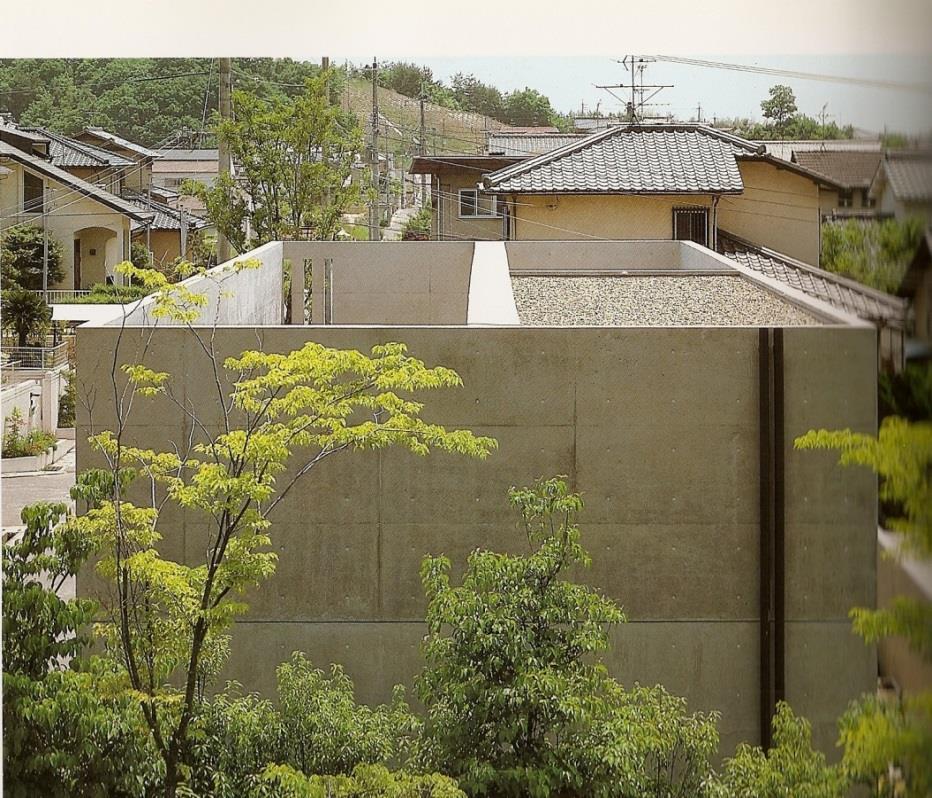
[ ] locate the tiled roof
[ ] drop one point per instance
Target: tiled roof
(633, 159)
(119, 141)
(845, 294)
(784, 148)
(81, 186)
(529, 143)
(852, 169)
(68, 153)
(909, 175)
(165, 217)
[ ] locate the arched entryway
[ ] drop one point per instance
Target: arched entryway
(95, 249)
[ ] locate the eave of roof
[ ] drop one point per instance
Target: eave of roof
(61, 176)
(119, 141)
(82, 154)
(842, 292)
(433, 164)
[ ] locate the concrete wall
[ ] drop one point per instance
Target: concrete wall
(35, 394)
(399, 282)
(250, 296)
(778, 209)
(599, 216)
(659, 430)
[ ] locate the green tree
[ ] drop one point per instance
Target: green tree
(780, 106)
(167, 622)
(790, 768)
(471, 94)
(21, 257)
(68, 728)
(295, 158)
(25, 313)
(527, 107)
(876, 253)
(366, 781)
(889, 736)
(406, 78)
(517, 702)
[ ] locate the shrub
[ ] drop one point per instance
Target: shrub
(366, 781)
(21, 255)
(17, 444)
(316, 728)
(112, 294)
(25, 313)
(790, 767)
(66, 404)
(417, 228)
(518, 703)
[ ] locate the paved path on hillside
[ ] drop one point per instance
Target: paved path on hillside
(399, 217)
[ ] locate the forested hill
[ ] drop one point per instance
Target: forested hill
(151, 100)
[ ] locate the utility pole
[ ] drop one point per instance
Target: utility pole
(699, 113)
(374, 234)
(422, 149)
(45, 243)
(226, 112)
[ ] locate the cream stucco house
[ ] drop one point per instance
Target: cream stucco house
(93, 225)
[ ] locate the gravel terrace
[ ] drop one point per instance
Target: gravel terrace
(650, 301)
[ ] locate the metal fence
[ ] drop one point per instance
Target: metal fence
(36, 357)
(59, 296)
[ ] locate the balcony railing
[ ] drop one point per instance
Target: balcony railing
(61, 296)
(36, 357)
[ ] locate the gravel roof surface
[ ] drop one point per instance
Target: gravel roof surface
(654, 301)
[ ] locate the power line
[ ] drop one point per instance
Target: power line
(922, 88)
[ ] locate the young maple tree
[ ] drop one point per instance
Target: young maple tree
(284, 412)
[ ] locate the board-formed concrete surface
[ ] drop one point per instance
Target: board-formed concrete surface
(657, 428)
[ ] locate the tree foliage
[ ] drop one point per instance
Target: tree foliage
(21, 257)
(888, 742)
(790, 768)
(295, 157)
(876, 253)
(69, 730)
(780, 106)
(25, 314)
(517, 702)
(168, 621)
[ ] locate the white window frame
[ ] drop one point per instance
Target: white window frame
(475, 192)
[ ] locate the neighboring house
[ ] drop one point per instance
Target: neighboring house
(167, 235)
(664, 181)
(854, 171)
(902, 184)
(460, 210)
(917, 288)
(175, 166)
(93, 225)
(139, 178)
(887, 313)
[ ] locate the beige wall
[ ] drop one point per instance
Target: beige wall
(165, 244)
(447, 223)
(72, 216)
(659, 430)
(599, 216)
(778, 209)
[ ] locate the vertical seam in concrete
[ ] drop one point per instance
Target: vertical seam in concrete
(766, 479)
(378, 543)
(779, 520)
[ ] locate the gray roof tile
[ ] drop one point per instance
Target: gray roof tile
(633, 159)
(909, 175)
(848, 295)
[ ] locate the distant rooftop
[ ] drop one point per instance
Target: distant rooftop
(909, 174)
(527, 144)
(172, 154)
(850, 168)
(784, 148)
(118, 141)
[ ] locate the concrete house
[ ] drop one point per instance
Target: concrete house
(668, 383)
(93, 225)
